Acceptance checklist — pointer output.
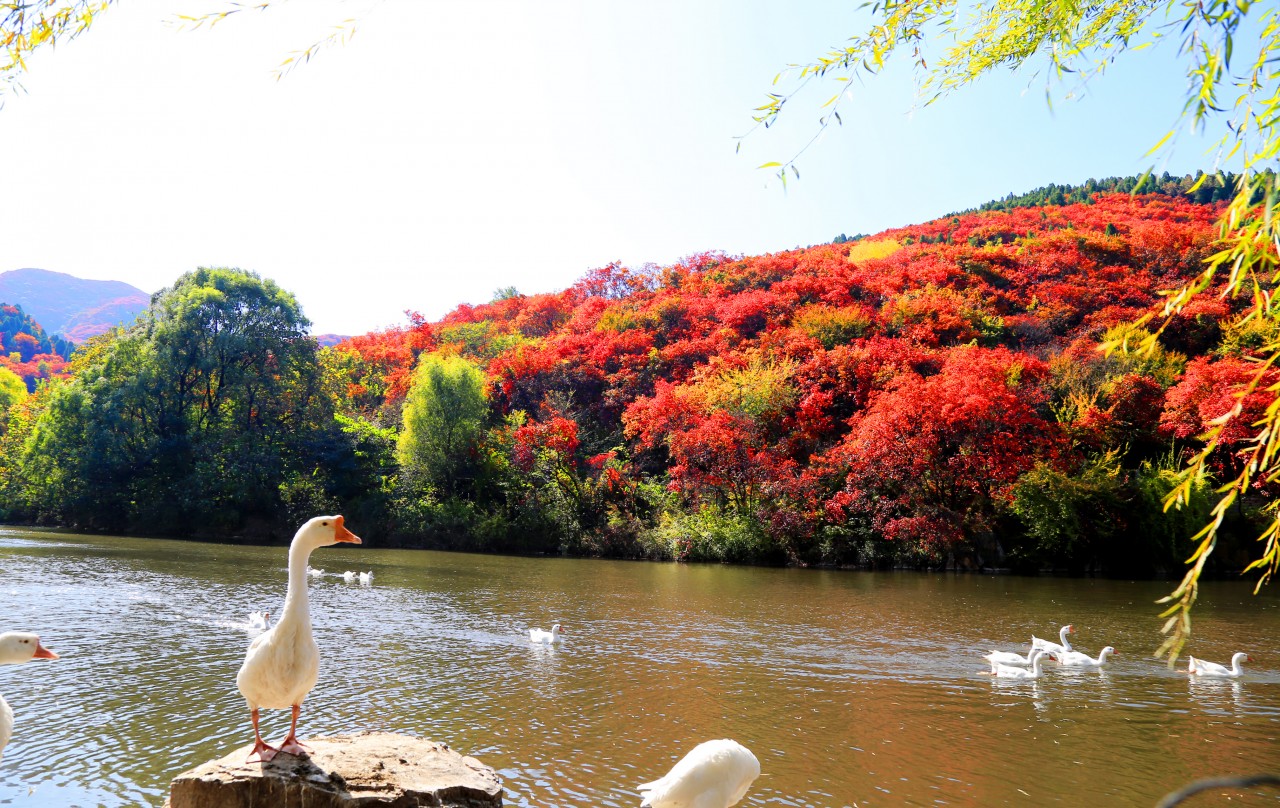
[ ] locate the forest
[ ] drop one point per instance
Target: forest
(930, 396)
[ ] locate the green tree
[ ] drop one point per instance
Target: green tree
(195, 420)
(444, 416)
(1229, 50)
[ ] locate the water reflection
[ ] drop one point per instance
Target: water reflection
(849, 687)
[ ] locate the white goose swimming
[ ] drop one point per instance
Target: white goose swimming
(349, 577)
(538, 635)
(715, 774)
(1198, 667)
(17, 647)
(282, 664)
(1008, 658)
(259, 619)
(366, 578)
(1054, 647)
(1078, 659)
(1014, 672)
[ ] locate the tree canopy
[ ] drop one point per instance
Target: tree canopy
(189, 421)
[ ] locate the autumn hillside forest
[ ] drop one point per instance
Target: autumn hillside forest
(928, 396)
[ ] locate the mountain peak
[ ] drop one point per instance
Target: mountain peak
(77, 308)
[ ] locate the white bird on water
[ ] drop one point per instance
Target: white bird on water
(349, 577)
(715, 774)
(1013, 672)
(282, 664)
(17, 647)
(315, 573)
(366, 578)
(1054, 647)
(1008, 658)
(538, 635)
(259, 619)
(1079, 659)
(1198, 667)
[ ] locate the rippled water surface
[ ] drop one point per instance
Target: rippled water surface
(852, 688)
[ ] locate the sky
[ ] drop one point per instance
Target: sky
(451, 149)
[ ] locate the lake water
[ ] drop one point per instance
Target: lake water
(852, 688)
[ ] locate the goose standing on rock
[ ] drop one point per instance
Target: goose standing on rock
(1054, 647)
(1198, 667)
(715, 774)
(282, 664)
(17, 647)
(538, 635)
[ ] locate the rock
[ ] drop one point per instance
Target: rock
(366, 769)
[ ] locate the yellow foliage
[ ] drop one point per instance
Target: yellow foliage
(869, 249)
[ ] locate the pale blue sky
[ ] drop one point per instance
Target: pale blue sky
(453, 148)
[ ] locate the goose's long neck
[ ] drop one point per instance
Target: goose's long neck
(295, 599)
(1035, 664)
(1235, 665)
(1062, 637)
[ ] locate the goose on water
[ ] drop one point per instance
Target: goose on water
(538, 635)
(366, 578)
(715, 774)
(17, 647)
(1198, 667)
(1055, 647)
(1008, 658)
(349, 577)
(1014, 672)
(259, 619)
(1078, 659)
(282, 664)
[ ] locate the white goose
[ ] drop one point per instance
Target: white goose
(17, 647)
(1198, 667)
(1014, 672)
(349, 577)
(315, 573)
(366, 578)
(1008, 658)
(259, 619)
(1054, 647)
(715, 774)
(282, 664)
(1078, 659)
(538, 635)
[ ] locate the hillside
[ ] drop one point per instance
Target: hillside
(26, 350)
(76, 308)
(930, 395)
(916, 395)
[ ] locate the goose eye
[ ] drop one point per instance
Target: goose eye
(326, 524)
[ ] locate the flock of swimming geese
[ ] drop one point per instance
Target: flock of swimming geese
(283, 663)
(1010, 665)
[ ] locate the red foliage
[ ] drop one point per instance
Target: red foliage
(944, 448)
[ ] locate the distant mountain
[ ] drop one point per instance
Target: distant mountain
(74, 307)
(330, 340)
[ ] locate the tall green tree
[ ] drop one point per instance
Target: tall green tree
(444, 417)
(189, 422)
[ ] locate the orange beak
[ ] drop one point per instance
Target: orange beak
(44, 653)
(1071, 629)
(341, 534)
